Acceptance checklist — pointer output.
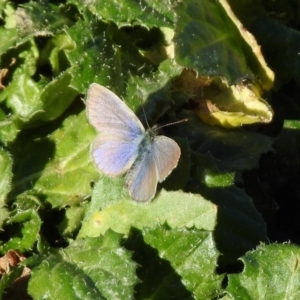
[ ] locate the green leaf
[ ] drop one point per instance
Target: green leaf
(4, 214)
(91, 58)
(8, 129)
(35, 103)
(9, 33)
(5, 182)
(270, 272)
(94, 268)
(54, 53)
(252, 49)
(56, 278)
(158, 279)
(6, 175)
(8, 37)
(22, 93)
(231, 150)
(41, 18)
(7, 279)
(235, 150)
(240, 227)
(55, 167)
(127, 12)
(208, 41)
(279, 43)
(72, 220)
(23, 229)
(54, 99)
(209, 174)
(154, 92)
(193, 255)
(178, 209)
(99, 55)
(23, 97)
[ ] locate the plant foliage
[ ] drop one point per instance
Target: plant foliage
(230, 68)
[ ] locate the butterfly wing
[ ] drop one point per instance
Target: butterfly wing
(114, 155)
(142, 179)
(159, 158)
(166, 153)
(110, 115)
(115, 150)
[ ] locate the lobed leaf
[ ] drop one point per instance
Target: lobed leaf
(90, 268)
(23, 228)
(176, 208)
(270, 272)
(62, 160)
(192, 253)
(128, 12)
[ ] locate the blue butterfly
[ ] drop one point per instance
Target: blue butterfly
(125, 146)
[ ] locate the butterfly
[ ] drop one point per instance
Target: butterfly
(124, 145)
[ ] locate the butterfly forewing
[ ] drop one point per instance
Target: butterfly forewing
(110, 115)
(115, 150)
(114, 156)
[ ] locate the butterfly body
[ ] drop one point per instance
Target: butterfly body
(125, 146)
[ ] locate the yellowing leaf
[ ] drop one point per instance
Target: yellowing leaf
(235, 106)
(217, 103)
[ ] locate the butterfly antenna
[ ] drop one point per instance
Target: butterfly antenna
(142, 105)
(173, 123)
(169, 124)
(145, 116)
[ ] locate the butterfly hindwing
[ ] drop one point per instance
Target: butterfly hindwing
(166, 153)
(153, 165)
(142, 178)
